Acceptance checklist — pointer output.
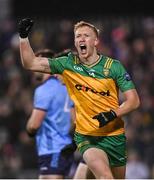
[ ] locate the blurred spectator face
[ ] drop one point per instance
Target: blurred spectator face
(139, 46)
(5, 108)
(8, 59)
(133, 156)
(119, 34)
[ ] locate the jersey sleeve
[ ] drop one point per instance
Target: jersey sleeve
(42, 99)
(122, 77)
(58, 65)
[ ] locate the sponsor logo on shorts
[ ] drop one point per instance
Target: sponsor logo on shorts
(44, 168)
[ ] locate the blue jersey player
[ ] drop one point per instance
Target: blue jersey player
(50, 122)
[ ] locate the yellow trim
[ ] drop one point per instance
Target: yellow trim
(76, 60)
(108, 63)
(91, 65)
(82, 144)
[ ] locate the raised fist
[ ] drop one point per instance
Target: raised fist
(24, 27)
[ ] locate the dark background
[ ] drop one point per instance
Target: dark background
(126, 33)
(71, 9)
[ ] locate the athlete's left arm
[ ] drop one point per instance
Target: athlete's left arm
(130, 103)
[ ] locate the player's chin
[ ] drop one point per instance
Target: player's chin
(84, 55)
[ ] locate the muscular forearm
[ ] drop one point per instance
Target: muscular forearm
(26, 53)
(125, 108)
(131, 103)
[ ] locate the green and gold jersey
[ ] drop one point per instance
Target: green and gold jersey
(93, 89)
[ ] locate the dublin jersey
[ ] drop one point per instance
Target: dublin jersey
(53, 135)
(93, 89)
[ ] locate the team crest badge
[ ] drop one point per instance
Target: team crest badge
(106, 72)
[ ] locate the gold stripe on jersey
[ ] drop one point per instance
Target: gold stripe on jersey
(82, 144)
(75, 60)
(108, 63)
(109, 66)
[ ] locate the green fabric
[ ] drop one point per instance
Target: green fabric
(57, 65)
(116, 71)
(114, 146)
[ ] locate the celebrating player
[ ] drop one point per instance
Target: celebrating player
(93, 82)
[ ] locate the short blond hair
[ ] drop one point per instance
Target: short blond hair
(83, 23)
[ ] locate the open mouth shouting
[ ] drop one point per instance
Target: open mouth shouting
(83, 48)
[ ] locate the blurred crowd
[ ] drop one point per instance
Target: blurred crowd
(128, 39)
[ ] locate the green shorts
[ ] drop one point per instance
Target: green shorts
(114, 146)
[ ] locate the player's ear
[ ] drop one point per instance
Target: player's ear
(96, 41)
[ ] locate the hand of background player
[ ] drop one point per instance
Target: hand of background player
(24, 27)
(69, 149)
(105, 117)
(31, 134)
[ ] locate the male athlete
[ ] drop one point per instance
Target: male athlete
(50, 123)
(93, 81)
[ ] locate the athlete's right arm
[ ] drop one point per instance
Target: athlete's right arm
(30, 61)
(35, 121)
(28, 58)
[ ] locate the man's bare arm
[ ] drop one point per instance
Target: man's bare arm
(131, 103)
(29, 60)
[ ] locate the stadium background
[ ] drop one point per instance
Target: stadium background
(127, 33)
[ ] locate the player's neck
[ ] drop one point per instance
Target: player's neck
(90, 60)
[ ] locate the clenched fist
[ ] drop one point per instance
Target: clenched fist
(24, 27)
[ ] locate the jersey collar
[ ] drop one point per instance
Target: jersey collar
(93, 64)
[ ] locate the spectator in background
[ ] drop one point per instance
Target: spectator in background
(50, 122)
(136, 168)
